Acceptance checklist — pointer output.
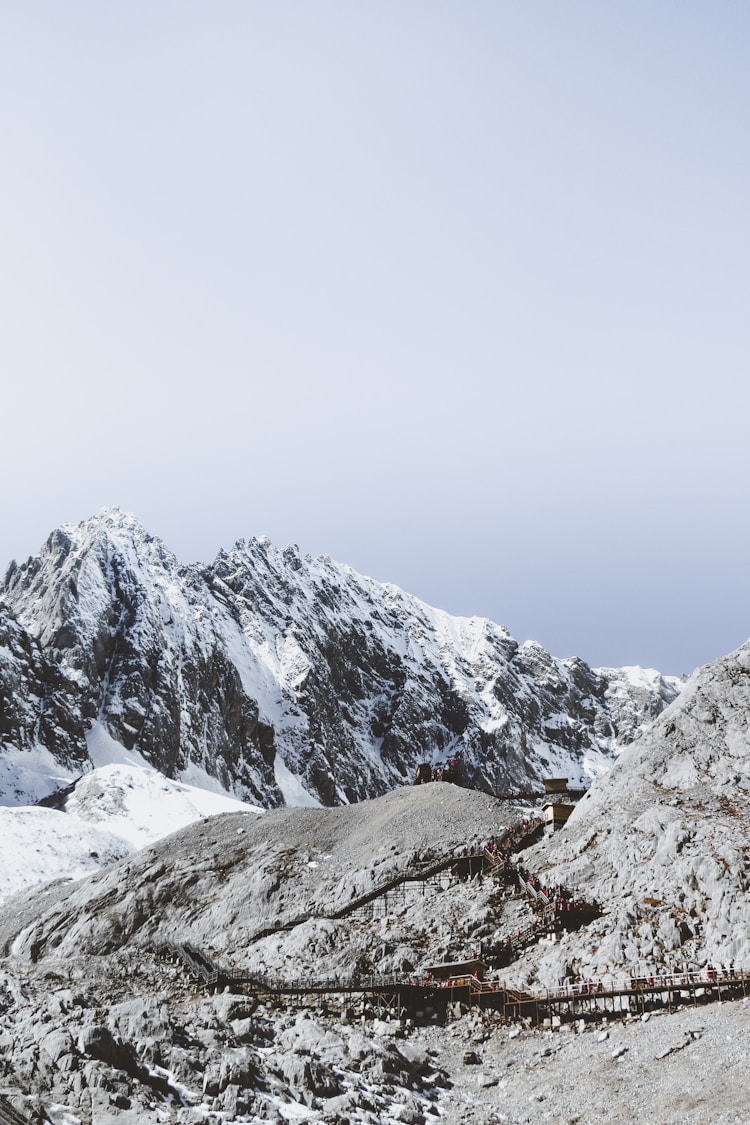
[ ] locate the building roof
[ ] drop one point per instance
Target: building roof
(457, 968)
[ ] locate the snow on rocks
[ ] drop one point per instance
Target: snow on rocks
(109, 813)
(283, 679)
(97, 1024)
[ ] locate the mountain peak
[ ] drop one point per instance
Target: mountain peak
(291, 679)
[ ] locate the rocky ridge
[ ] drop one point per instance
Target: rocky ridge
(96, 1026)
(663, 838)
(284, 679)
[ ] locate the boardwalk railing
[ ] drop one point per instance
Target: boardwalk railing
(555, 910)
(615, 995)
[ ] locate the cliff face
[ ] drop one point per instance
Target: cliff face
(42, 716)
(284, 679)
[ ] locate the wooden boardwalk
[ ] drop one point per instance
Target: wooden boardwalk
(618, 997)
(414, 996)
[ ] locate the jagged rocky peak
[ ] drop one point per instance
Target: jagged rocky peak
(142, 636)
(83, 582)
(291, 679)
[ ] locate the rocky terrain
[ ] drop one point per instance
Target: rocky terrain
(664, 837)
(114, 656)
(285, 680)
(99, 1024)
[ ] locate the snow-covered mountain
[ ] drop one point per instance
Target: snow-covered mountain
(279, 678)
(98, 1026)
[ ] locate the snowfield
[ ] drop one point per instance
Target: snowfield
(113, 811)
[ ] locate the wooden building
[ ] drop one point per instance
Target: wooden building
(555, 785)
(556, 814)
(457, 970)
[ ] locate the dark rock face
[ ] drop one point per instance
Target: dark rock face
(265, 659)
(40, 706)
(110, 608)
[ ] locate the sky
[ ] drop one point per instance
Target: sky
(454, 292)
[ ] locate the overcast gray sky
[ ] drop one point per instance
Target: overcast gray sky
(455, 292)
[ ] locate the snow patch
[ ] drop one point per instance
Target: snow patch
(142, 805)
(104, 750)
(114, 811)
(40, 845)
(293, 791)
(26, 776)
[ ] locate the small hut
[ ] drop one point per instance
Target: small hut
(556, 814)
(423, 774)
(457, 970)
(555, 785)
